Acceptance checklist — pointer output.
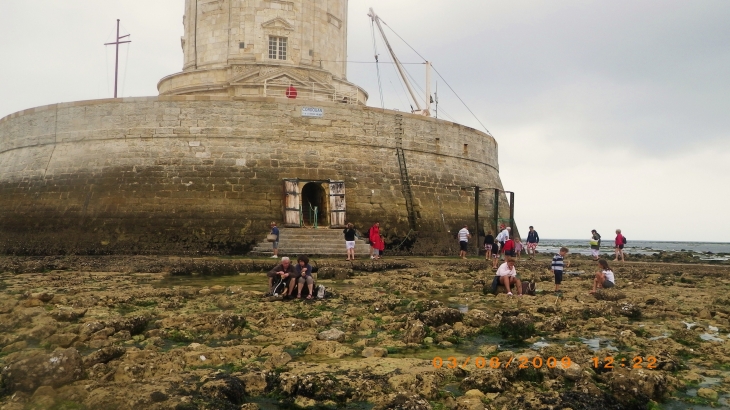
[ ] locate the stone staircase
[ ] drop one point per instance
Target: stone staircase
(309, 241)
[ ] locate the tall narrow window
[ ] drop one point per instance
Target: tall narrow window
(277, 48)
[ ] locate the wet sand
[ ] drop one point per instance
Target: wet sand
(402, 333)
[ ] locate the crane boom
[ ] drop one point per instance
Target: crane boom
(398, 65)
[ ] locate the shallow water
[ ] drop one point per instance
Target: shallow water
(247, 281)
(719, 251)
(596, 344)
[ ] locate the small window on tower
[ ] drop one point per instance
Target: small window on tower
(277, 48)
(241, 45)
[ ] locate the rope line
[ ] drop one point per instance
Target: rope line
(377, 66)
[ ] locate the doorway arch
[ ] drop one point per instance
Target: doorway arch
(314, 195)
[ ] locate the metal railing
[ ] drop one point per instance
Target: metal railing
(313, 211)
(310, 91)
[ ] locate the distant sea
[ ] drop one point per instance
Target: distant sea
(705, 250)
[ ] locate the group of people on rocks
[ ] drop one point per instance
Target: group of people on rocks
(293, 276)
(504, 245)
(510, 248)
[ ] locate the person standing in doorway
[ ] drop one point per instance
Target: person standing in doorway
(488, 243)
(595, 244)
(532, 240)
(275, 244)
(350, 241)
(619, 246)
(464, 236)
(376, 241)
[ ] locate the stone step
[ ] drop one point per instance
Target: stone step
(322, 241)
(319, 247)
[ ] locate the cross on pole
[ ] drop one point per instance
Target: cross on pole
(116, 64)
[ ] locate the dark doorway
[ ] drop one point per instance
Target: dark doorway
(313, 195)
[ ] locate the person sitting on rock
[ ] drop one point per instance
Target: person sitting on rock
(604, 279)
(286, 272)
(304, 270)
(508, 276)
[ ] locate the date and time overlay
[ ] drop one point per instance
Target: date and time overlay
(523, 362)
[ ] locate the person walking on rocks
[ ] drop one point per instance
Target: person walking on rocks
(275, 244)
(488, 244)
(495, 254)
(509, 248)
(464, 236)
(502, 238)
(604, 278)
(508, 276)
(619, 246)
(376, 241)
(558, 266)
(532, 240)
(595, 244)
(350, 241)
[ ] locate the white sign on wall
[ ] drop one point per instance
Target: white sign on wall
(312, 112)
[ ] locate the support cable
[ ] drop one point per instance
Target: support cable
(377, 66)
(126, 65)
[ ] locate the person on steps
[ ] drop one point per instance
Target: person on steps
(376, 241)
(350, 241)
(275, 244)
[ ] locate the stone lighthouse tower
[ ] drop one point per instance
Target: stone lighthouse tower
(267, 48)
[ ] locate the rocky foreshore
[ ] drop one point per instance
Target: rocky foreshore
(401, 333)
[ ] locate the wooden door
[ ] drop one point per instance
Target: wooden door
(291, 203)
(337, 204)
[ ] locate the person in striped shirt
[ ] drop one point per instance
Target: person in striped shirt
(557, 267)
(463, 241)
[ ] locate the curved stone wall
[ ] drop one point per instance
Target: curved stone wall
(192, 174)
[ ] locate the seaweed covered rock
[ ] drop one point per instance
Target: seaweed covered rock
(637, 386)
(406, 402)
(56, 369)
(476, 318)
(440, 316)
(224, 392)
(485, 380)
(519, 327)
(612, 294)
(414, 332)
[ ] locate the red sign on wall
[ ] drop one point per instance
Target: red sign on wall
(291, 92)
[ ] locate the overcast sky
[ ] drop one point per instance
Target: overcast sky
(609, 114)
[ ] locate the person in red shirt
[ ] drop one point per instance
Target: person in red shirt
(619, 246)
(376, 242)
(509, 247)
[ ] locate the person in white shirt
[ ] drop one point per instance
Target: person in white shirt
(508, 276)
(503, 237)
(605, 278)
(463, 241)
